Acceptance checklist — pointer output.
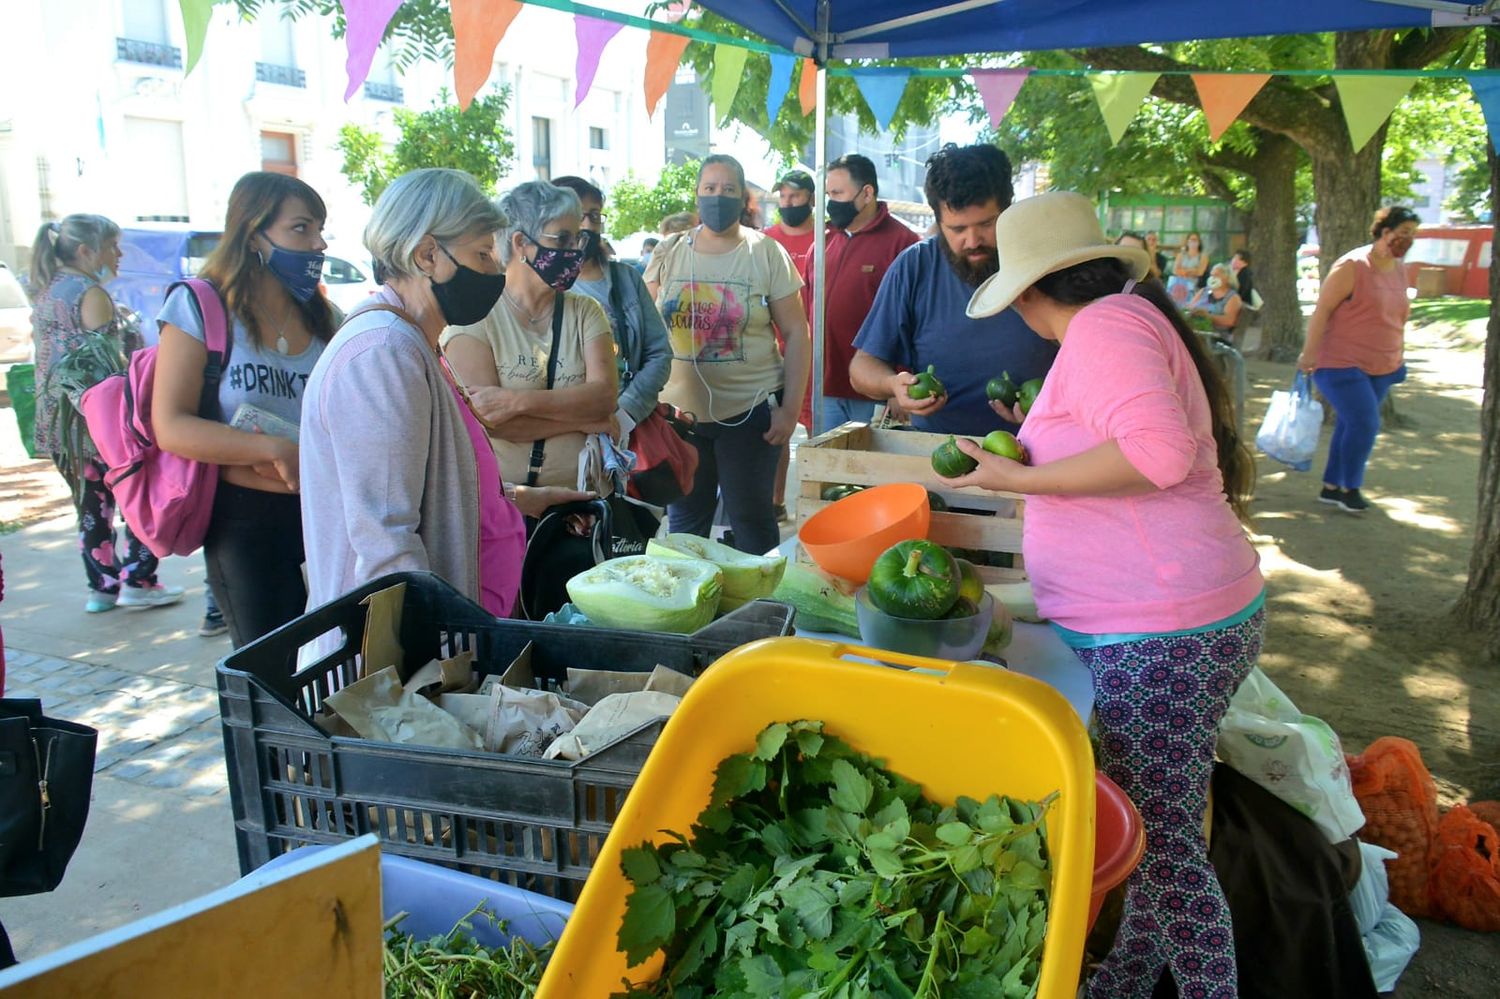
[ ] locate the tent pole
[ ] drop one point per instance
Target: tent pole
(820, 264)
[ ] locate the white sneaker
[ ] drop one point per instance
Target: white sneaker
(144, 597)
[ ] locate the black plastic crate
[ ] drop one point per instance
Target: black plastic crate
(535, 824)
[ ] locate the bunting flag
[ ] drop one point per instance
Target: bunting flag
(195, 16)
(478, 26)
(729, 70)
(1120, 96)
(593, 34)
(1487, 93)
(807, 89)
(882, 89)
(1225, 95)
(781, 82)
(364, 27)
(998, 89)
(1368, 101)
(663, 53)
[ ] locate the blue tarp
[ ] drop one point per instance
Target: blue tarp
(973, 26)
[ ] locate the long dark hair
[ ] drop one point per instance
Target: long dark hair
(1094, 279)
(58, 243)
(232, 267)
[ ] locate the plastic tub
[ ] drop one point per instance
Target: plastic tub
(955, 638)
(1119, 841)
(845, 538)
(956, 728)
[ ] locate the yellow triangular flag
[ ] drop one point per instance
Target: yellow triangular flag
(1368, 101)
(729, 72)
(1119, 96)
(1225, 95)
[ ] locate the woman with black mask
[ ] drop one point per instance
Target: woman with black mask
(720, 286)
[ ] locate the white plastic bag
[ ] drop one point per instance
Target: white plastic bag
(1293, 422)
(1389, 947)
(1296, 757)
(1373, 890)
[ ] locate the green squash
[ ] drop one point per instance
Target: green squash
(746, 577)
(961, 608)
(1002, 389)
(917, 580)
(951, 463)
(1004, 443)
(927, 385)
(936, 503)
(1029, 391)
(971, 585)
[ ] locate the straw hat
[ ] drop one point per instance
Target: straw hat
(1036, 236)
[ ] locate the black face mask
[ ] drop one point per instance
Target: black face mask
(469, 295)
(719, 212)
(795, 215)
(592, 245)
(841, 213)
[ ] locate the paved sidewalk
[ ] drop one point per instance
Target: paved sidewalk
(160, 830)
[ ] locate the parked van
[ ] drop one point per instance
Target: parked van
(1460, 252)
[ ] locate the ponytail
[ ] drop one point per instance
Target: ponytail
(58, 243)
(1094, 279)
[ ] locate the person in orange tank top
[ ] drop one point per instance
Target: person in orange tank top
(1354, 348)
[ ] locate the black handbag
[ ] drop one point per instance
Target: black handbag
(46, 775)
(556, 551)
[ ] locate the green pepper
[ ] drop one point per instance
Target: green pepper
(1027, 396)
(926, 385)
(951, 463)
(1002, 389)
(917, 580)
(971, 584)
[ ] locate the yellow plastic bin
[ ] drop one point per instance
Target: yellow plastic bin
(966, 730)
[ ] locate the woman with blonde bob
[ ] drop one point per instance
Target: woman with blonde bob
(1131, 537)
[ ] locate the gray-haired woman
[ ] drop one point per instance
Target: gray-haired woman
(397, 473)
(540, 366)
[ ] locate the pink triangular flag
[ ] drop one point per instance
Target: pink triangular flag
(364, 26)
(998, 89)
(593, 34)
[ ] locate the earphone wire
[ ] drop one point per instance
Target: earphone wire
(761, 395)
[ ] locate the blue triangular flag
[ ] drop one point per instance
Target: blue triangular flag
(882, 89)
(1487, 93)
(781, 82)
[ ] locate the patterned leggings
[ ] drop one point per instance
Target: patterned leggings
(97, 538)
(1158, 702)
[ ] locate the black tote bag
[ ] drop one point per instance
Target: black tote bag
(46, 776)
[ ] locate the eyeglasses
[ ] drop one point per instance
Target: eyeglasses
(564, 240)
(595, 217)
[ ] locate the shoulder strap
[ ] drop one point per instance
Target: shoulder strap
(538, 448)
(381, 307)
(616, 301)
(213, 317)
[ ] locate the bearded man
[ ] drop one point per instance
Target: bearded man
(919, 316)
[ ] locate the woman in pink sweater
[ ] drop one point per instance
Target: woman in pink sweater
(1137, 556)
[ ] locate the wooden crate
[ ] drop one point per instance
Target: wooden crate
(857, 454)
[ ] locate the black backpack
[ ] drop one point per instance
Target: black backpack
(556, 551)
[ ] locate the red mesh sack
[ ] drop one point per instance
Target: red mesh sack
(1399, 800)
(1465, 883)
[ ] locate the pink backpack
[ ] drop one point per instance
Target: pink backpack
(166, 499)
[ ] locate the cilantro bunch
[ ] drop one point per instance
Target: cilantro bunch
(814, 872)
(456, 966)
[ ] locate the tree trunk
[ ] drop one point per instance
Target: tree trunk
(1479, 606)
(1273, 240)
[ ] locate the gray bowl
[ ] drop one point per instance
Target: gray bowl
(956, 639)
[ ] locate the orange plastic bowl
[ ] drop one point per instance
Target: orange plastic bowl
(846, 537)
(1119, 843)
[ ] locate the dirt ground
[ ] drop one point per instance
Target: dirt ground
(1359, 627)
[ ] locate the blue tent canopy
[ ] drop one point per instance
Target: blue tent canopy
(880, 29)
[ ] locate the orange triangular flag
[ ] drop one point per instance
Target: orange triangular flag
(663, 53)
(1225, 95)
(478, 26)
(807, 87)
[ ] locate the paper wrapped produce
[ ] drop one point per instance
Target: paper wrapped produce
(379, 709)
(513, 720)
(613, 717)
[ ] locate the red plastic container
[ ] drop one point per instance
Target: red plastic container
(1119, 841)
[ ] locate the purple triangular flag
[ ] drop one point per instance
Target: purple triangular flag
(593, 34)
(364, 27)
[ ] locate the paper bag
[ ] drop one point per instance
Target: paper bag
(615, 716)
(380, 710)
(382, 645)
(518, 722)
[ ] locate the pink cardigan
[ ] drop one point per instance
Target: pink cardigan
(1169, 560)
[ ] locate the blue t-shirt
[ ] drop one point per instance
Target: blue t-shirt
(263, 378)
(918, 319)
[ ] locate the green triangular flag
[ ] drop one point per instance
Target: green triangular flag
(1119, 96)
(195, 16)
(729, 72)
(1368, 101)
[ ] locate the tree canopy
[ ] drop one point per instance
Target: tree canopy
(634, 207)
(474, 140)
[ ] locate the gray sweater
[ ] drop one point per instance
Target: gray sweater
(389, 480)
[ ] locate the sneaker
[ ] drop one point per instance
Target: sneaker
(1334, 497)
(100, 602)
(213, 625)
(1353, 502)
(145, 597)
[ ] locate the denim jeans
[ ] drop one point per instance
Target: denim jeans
(254, 555)
(1355, 398)
(837, 411)
(735, 460)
